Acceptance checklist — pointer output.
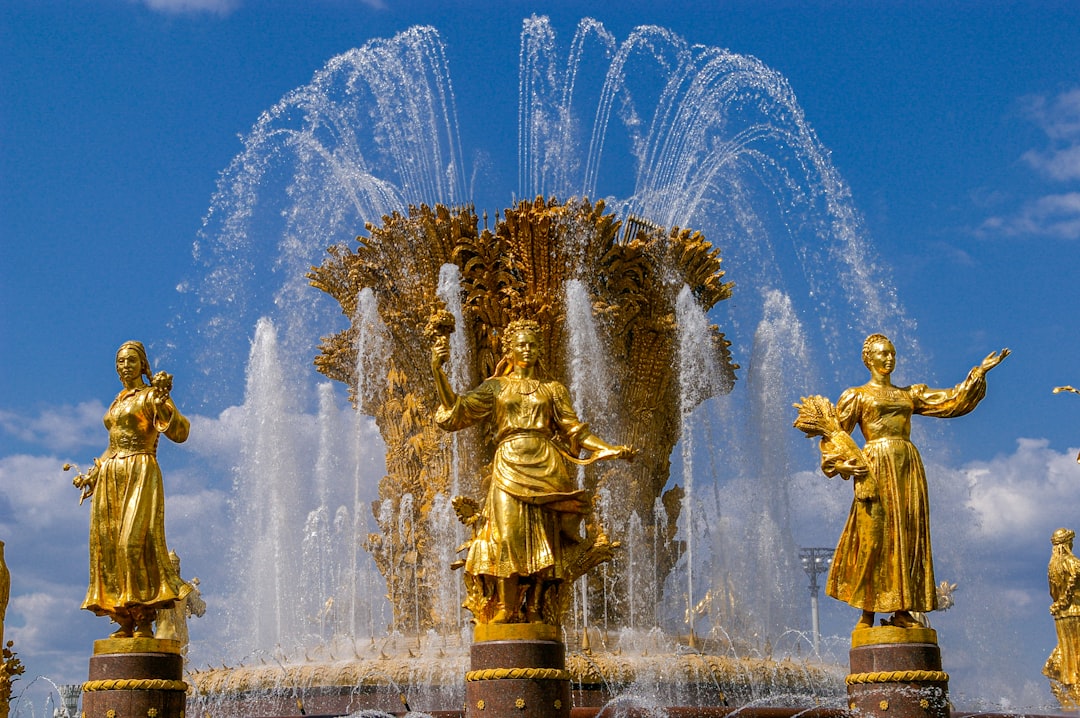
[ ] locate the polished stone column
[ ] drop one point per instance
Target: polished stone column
(517, 669)
(896, 673)
(135, 678)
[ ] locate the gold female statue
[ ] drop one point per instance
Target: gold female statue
(131, 576)
(534, 507)
(1063, 575)
(883, 561)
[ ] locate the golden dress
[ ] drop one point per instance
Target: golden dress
(1063, 575)
(532, 497)
(883, 561)
(129, 561)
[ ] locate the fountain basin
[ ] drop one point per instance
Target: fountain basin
(436, 683)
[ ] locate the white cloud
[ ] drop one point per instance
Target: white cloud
(220, 7)
(1061, 165)
(1022, 497)
(1056, 216)
(217, 7)
(1059, 117)
(58, 429)
(38, 494)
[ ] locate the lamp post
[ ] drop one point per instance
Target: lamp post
(815, 561)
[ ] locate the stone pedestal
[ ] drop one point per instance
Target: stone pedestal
(896, 673)
(135, 678)
(517, 669)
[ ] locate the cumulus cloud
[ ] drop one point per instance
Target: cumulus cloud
(1022, 497)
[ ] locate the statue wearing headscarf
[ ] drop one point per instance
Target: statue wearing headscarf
(131, 576)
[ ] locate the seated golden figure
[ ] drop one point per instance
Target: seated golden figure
(529, 526)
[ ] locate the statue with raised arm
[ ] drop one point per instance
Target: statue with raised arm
(131, 576)
(883, 561)
(1063, 576)
(1073, 390)
(526, 538)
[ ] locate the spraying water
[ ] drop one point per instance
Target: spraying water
(671, 134)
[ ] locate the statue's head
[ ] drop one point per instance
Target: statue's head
(1062, 537)
(876, 344)
(133, 350)
(522, 341)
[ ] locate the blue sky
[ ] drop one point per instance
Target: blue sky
(957, 130)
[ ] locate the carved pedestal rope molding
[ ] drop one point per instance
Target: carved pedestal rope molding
(896, 677)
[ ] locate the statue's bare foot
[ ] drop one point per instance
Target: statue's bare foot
(866, 620)
(144, 630)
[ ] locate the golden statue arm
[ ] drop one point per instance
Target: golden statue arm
(440, 354)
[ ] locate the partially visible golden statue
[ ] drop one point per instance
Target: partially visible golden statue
(10, 665)
(5, 591)
(1063, 575)
(883, 562)
(172, 623)
(131, 576)
(1058, 390)
(526, 539)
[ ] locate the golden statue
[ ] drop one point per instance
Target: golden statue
(172, 622)
(520, 265)
(530, 522)
(5, 590)
(10, 665)
(883, 561)
(1063, 575)
(131, 576)
(1058, 390)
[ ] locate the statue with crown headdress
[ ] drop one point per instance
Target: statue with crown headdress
(526, 544)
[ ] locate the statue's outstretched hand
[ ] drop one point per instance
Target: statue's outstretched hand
(994, 358)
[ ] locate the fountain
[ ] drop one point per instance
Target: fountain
(720, 155)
